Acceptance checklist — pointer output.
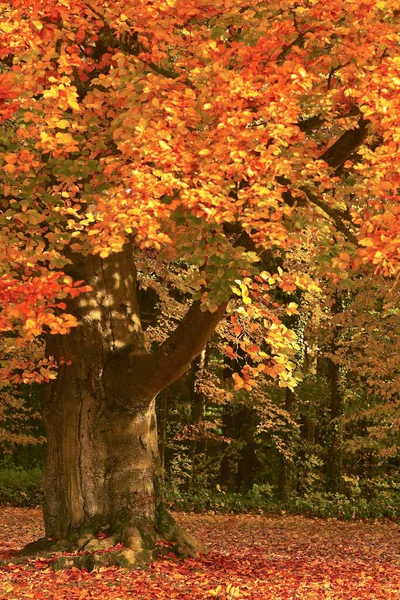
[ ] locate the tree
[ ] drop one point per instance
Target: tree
(204, 136)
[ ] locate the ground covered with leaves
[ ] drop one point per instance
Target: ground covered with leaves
(279, 558)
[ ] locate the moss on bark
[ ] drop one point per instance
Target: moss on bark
(133, 545)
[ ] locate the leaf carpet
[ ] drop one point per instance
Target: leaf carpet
(253, 557)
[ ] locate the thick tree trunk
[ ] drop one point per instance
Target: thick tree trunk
(102, 459)
(103, 469)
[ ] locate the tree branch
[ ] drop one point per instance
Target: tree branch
(173, 358)
(132, 49)
(335, 156)
(336, 216)
(311, 123)
(343, 148)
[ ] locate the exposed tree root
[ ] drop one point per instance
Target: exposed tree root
(131, 545)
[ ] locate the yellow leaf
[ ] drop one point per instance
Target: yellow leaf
(30, 323)
(51, 93)
(291, 308)
(72, 102)
(7, 27)
(366, 242)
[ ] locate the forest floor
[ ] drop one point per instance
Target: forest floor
(252, 557)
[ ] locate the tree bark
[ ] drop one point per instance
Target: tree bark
(227, 472)
(103, 469)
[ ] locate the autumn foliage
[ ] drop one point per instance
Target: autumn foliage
(206, 133)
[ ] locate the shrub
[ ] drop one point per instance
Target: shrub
(19, 487)
(260, 499)
(384, 504)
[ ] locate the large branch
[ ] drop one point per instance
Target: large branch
(337, 216)
(317, 121)
(335, 156)
(173, 358)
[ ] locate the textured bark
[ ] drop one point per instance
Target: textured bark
(101, 428)
(103, 469)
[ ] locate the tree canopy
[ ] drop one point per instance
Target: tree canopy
(216, 135)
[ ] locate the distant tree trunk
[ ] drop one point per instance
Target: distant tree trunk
(163, 431)
(307, 447)
(198, 402)
(103, 467)
(246, 423)
(227, 475)
(334, 466)
(285, 473)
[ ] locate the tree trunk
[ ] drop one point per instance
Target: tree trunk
(285, 472)
(246, 420)
(334, 467)
(228, 468)
(198, 443)
(163, 431)
(103, 469)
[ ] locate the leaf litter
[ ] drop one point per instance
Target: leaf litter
(248, 556)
